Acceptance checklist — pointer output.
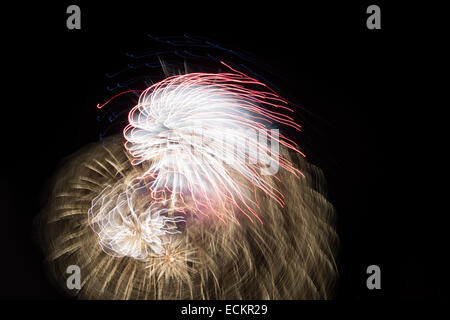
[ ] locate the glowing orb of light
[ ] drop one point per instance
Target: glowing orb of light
(128, 224)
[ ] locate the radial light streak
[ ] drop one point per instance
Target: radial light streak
(289, 256)
(203, 137)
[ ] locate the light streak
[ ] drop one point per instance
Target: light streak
(290, 256)
(184, 128)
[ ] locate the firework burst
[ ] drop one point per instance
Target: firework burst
(167, 210)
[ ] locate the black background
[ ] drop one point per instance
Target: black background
(339, 71)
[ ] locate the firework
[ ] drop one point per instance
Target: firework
(203, 133)
(193, 203)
